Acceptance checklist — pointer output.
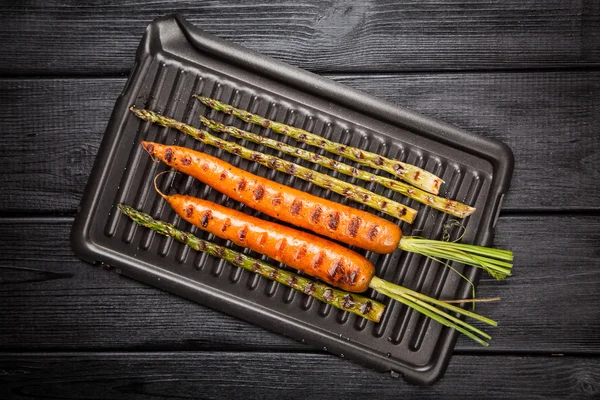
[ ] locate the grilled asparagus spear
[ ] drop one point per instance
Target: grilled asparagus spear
(351, 302)
(348, 190)
(451, 207)
(409, 173)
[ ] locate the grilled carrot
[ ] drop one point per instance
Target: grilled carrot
(315, 256)
(328, 261)
(334, 220)
(328, 218)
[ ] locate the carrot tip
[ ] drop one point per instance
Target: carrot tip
(149, 147)
(164, 196)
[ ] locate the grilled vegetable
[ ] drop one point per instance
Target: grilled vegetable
(352, 192)
(409, 173)
(337, 221)
(313, 255)
(451, 207)
(351, 302)
(298, 208)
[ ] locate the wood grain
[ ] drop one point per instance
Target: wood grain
(50, 300)
(553, 133)
(297, 376)
(74, 37)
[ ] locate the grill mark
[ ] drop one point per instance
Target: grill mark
(334, 220)
(436, 184)
(302, 136)
(379, 161)
(226, 225)
(255, 267)
(184, 238)
(206, 217)
(263, 238)
(292, 281)
(347, 301)
(168, 154)
(259, 192)
(337, 268)
(189, 211)
(274, 274)
(256, 157)
(223, 176)
(373, 232)
(274, 163)
(417, 174)
(359, 154)
(150, 148)
(220, 252)
(353, 226)
(315, 216)
(296, 207)
(291, 168)
(300, 253)
(186, 161)
(366, 308)
(328, 295)
(318, 260)
(243, 232)
(277, 199)
(242, 184)
(398, 167)
(238, 260)
(280, 247)
(202, 245)
(352, 277)
(310, 289)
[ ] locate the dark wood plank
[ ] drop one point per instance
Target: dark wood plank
(50, 300)
(54, 127)
(68, 37)
(221, 375)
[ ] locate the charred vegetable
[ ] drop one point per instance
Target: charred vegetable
(451, 207)
(352, 192)
(334, 220)
(409, 173)
(351, 302)
(318, 257)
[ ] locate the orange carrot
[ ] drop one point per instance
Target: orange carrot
(346, 224)
(328, 261)
(337, 221)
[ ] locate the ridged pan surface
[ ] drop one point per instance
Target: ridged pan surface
(176, 61)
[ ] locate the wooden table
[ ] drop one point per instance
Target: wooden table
(524, 72)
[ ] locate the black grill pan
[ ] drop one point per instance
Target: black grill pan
(176, 60)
